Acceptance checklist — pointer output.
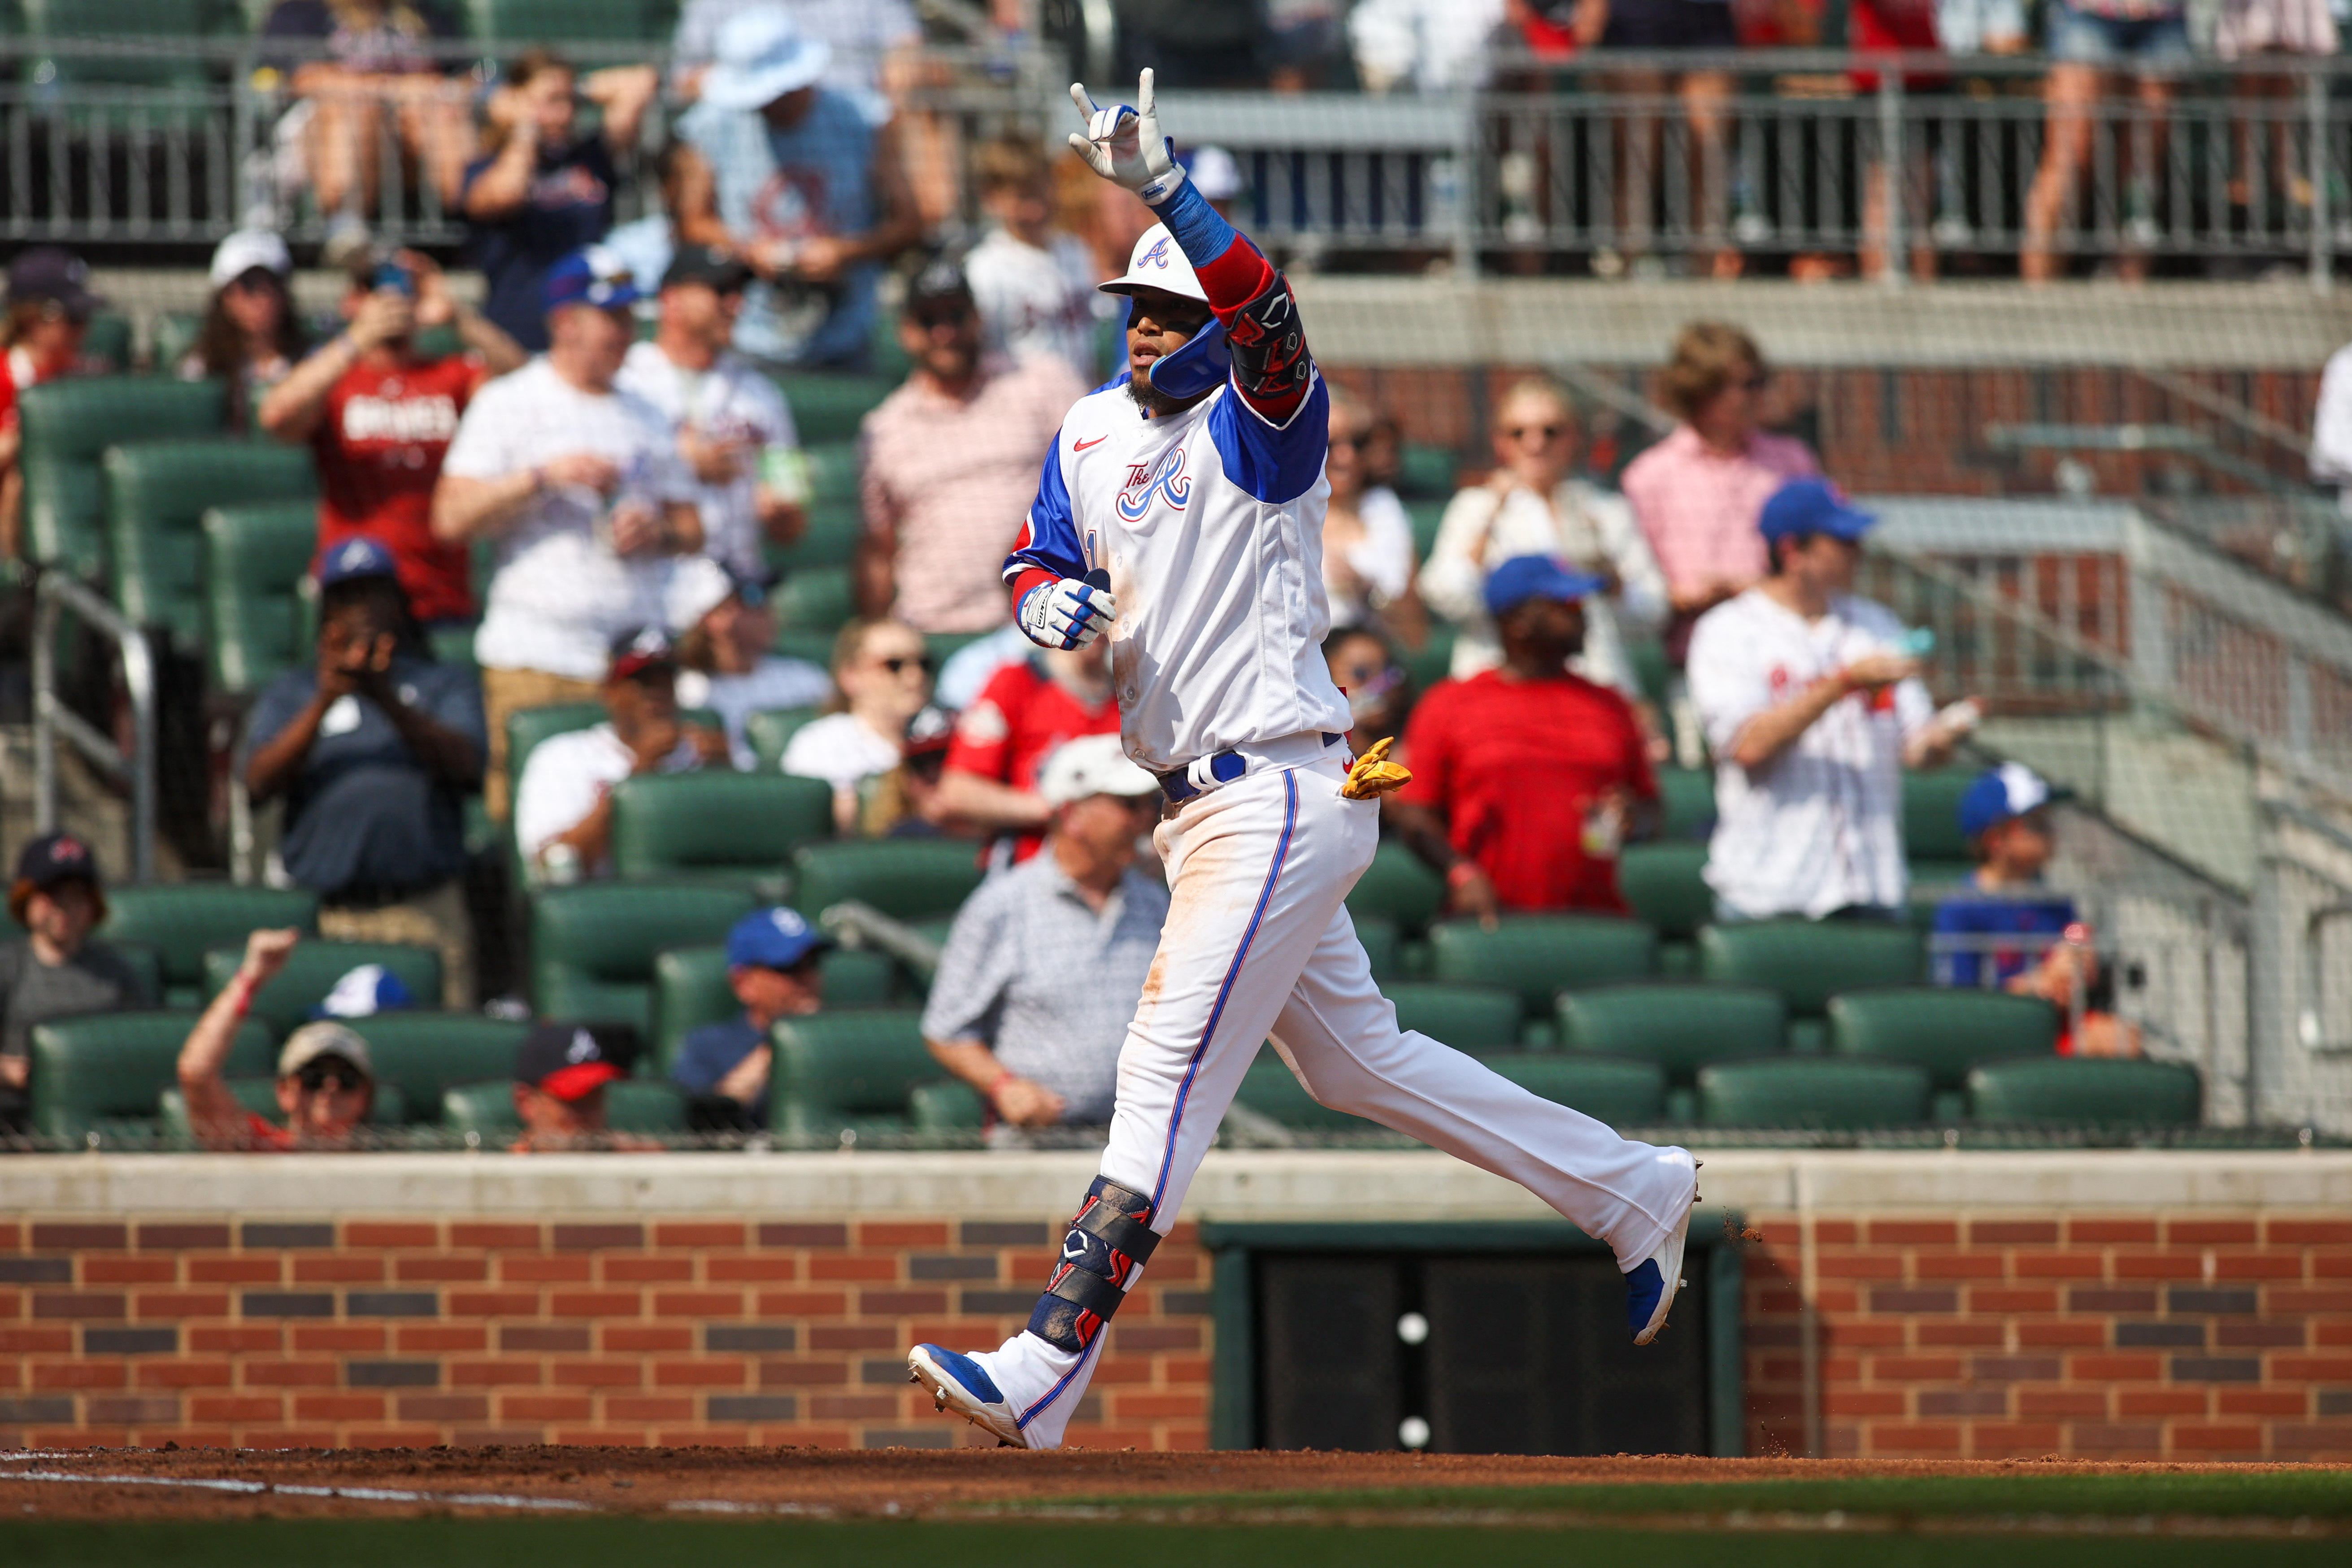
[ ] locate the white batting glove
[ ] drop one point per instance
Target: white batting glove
(1124, 145)
(1066, 613)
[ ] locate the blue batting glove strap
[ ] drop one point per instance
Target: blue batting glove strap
(1064, 615)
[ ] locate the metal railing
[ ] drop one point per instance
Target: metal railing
(56, 595)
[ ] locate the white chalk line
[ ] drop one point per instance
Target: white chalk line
(279, 1488)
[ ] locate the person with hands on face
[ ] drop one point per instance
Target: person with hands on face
(579, 481)
(326, 1084)
(373, 749)
(1527, 777)
(55, 970)
(380, 417)
(772, 958)
(1813, 705)
(1045, 963)
(564, 804)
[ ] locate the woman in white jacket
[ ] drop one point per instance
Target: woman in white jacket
(1530, 507)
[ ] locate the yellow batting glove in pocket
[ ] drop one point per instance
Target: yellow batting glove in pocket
(1373, 774)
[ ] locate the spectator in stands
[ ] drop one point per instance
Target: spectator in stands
(561, 1072)
(2011, 929)
(54, 970)
(724, 630)
(647, 246)
(49, 308)
(797, 180)
(326, 1084)
(1046, 964)
(1034, 286)
(252, 336)
(1190, 43)
(1813, 706)
(950, 463)
(1698, 492)
(1527, 777)
(1379, 693)
(1532, 506)
(734, 433)
(883, 673)
(580, 484)
(380, 417)
(564, 803)
(374, 749)
(870, 45)
(1427, 45)
(1001, 743)
(2091, 42)
(1368, 546)
(366, 69)
(542, 190)
(773, 967)
(1657, 27)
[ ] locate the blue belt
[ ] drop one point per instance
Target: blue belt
(1224, 767)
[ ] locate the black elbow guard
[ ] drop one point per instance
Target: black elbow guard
(1268, 345)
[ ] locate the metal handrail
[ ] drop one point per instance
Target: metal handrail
(54, 594)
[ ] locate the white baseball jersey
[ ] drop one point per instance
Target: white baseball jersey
(1820, 828)
(1211, 525)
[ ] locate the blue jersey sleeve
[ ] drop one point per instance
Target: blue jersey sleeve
(1275, 463)
(1049, 535)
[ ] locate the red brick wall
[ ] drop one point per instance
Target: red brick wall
(399, 1332)
(2204, 1336)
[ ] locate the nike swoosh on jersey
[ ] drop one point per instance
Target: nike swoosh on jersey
(1082, 446)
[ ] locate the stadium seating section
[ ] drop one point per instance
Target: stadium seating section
(594, 945)
(257, 619)
(718, 826)
(2087, 1090)
(312, 970)
(107, 1073)
(68, 425)
(848, 1072)
(156, 495)
(906, 879)
(1824, 1093)
(179, 921)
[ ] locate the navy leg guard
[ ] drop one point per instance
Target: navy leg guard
(1109, 1238)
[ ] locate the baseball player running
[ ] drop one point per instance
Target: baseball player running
(1181, 511)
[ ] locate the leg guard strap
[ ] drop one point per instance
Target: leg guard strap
(1109, 1238)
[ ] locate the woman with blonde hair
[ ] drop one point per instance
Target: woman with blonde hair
(882, 671)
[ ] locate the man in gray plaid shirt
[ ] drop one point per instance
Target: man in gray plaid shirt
(1046, 962)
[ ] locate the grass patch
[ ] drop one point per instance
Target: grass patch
(634, 1542)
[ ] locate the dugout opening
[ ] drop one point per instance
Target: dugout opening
(1487, 1338)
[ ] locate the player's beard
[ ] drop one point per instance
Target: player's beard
(1153, 401)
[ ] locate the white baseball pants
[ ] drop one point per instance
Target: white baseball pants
(1258, 944)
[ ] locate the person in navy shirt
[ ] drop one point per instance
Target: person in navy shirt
(771, 966)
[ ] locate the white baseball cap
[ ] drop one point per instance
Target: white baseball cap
(246, 249)
(698, 586)
(762, 55)
(1158, 263)
(1215, 172)
(324, 1039)
(1091, 764)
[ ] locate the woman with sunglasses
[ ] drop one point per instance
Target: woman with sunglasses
(325, 1083)
(884, 672)
(1531, 506)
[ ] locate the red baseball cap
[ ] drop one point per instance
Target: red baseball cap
(567, 1060)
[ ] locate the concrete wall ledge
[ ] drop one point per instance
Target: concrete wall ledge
(1234, 1186)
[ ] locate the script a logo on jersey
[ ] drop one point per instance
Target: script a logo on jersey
(1165, 477)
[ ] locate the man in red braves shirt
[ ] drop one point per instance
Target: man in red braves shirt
(1525, 778)
(380, 417)
(1024, 711)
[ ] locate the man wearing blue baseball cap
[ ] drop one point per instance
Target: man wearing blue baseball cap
(772, 967)
(374, 749)
(580, 483)
(1811, 703)
(1527, 777)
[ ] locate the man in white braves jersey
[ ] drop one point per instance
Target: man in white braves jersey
(1182, 510)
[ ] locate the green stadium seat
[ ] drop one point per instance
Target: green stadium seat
(486, 1110)
(1828, 1092)
(1686, 799)
(145, 962)
(67, 423)
(946, 1106)
(1680, 1027)
(1397, 887)
(386, 1108)
(1432, 662)
(107, 1071)
(593, 945)
(1379, 936)
(1538, 956)
(425, 1054)
(739, 826)
(644, 1106)
(906, 879)
(833, 470)
(1932, 840)
(1652, 675)
(2096, 1091)
(531, 21)
(1608, 1088)
(828, 542)
(156, 495)
(853, 1070)
(1427, 473)
(1943, 1030)
(255, 620)
(1665, 886)
(107, 343)
(691, 990)
(771, 731)
(828, 407)
(863, 977)
(1808, 961)
(160, 21)
(815, 646)
(814, 599)
(1479, 1019)
(181, 920)
(312, 970)
(172, 339)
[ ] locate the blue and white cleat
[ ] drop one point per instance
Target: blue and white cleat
(1650, 1288)
(960, 1384)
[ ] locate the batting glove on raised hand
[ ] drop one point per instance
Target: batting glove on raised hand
(1066, 613)
(1124, 145)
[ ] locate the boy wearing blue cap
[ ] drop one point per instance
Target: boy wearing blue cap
(772, 967)
(1813, 708)
(1527, 777)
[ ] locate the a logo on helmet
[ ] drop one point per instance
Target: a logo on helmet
(1155, 256)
